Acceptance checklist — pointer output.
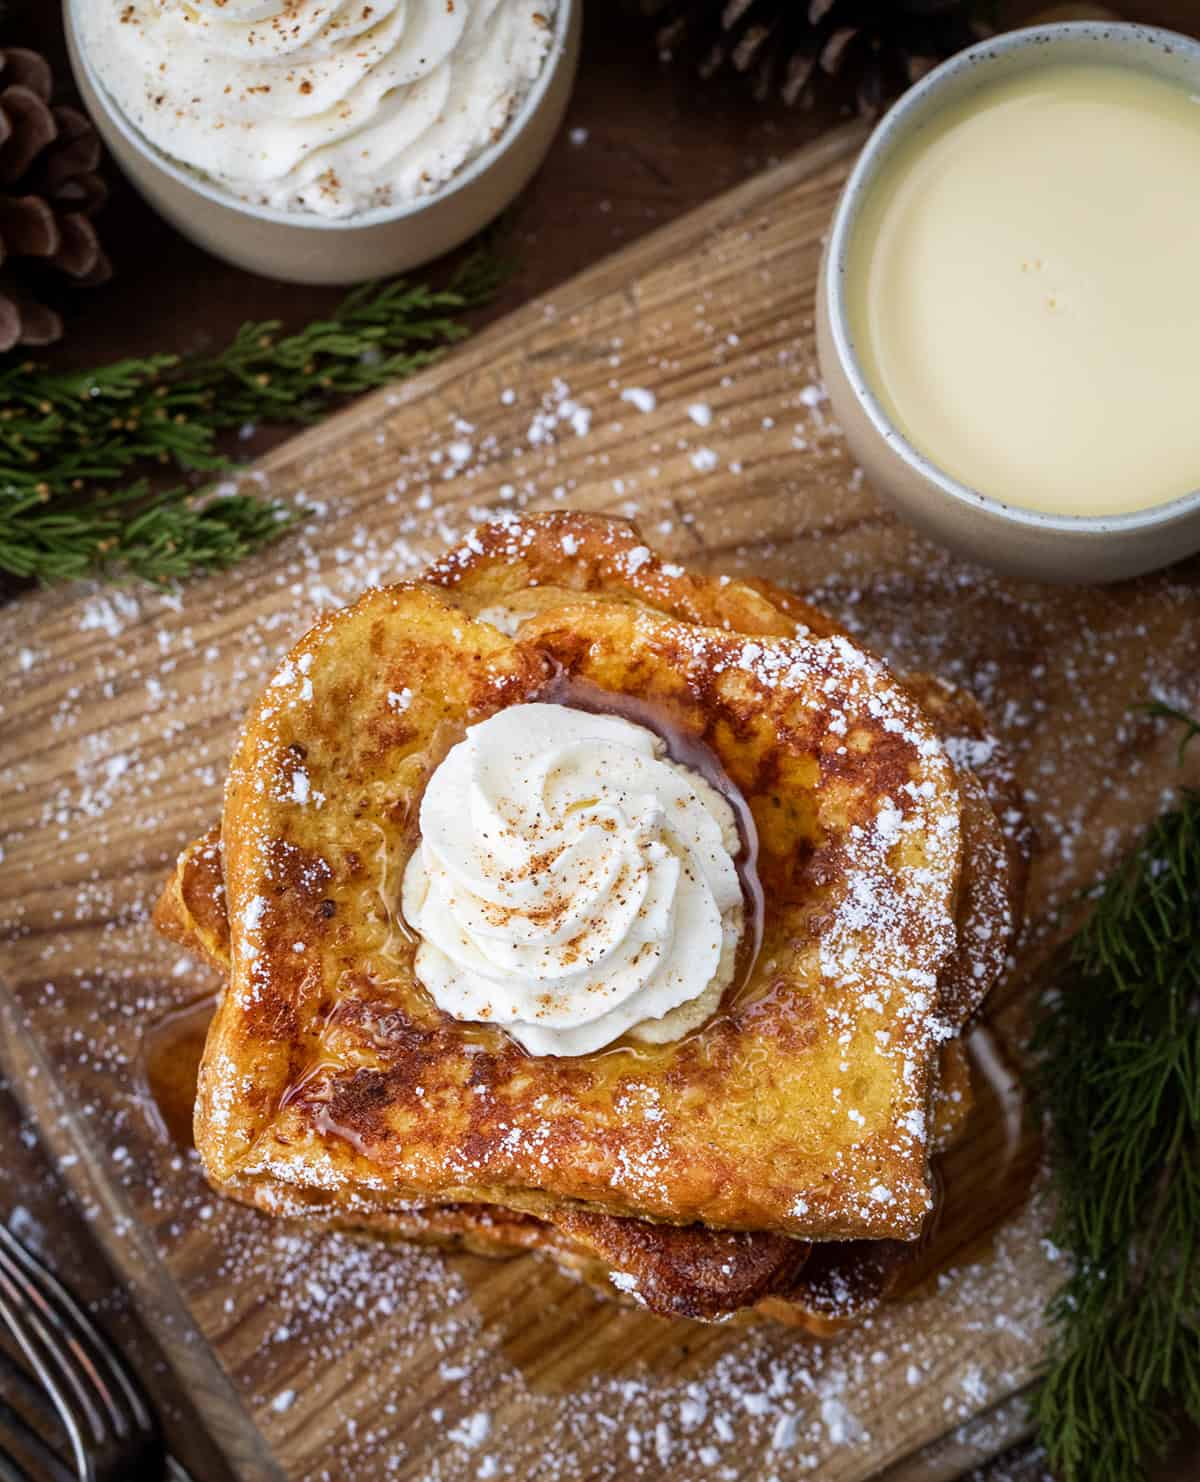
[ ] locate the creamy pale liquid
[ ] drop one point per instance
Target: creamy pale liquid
(1024, 290)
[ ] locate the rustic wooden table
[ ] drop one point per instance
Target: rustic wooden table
(642, 144)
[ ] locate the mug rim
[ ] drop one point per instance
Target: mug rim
(907, 114)
(310, 221)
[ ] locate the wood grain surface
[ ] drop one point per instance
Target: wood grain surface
(321, 1357)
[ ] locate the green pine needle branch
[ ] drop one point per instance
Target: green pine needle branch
(1117, 1056)
(83, 454)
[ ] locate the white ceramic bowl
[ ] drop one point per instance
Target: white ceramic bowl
(309, 249)
(1022, 542)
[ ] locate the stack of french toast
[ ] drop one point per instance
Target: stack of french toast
(764, 1145)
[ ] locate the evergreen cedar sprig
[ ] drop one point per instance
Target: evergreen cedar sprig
(1117, 1068)
(79, 450)
(161, 536)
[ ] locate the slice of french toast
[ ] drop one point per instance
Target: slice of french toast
(800, 1109)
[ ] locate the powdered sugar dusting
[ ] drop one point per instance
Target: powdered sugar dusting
(119, 712)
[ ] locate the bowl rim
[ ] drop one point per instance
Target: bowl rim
(908, 113)
(566, 15)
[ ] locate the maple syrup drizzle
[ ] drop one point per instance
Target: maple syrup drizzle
(167, 1068)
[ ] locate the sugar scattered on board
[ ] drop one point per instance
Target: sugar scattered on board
(637, 396)
(328, 1301)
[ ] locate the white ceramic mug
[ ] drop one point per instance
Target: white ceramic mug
(1022, 542)
(309, 249)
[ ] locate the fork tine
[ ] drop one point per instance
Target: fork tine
(57, 1301)
(24, 1325)
(30, 1394)
(31, 1444)
(39, 1321)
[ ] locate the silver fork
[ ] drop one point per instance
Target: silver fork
(77, 1386)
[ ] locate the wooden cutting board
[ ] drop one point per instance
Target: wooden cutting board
(675, 382)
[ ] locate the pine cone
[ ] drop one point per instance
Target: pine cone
(49, 190)
(873, 49)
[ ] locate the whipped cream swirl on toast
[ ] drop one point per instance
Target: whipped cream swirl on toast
(572, 884)
(325, 106)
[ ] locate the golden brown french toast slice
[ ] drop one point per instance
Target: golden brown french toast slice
(800, 1109)
(671, 1274)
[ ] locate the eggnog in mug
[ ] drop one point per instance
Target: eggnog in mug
(1023, 289)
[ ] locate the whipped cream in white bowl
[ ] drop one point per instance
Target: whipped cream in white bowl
(572, 884)
(326, 140)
